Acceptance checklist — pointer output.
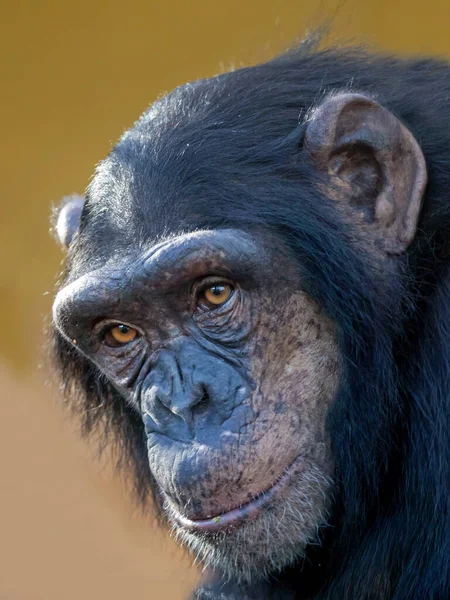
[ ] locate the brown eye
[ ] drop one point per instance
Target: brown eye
(119, 335)
(217, 294)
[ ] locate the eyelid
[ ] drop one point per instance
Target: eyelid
(200, 311)
(102, 327)
(201, 285)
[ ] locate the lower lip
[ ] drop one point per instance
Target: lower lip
(248, 511)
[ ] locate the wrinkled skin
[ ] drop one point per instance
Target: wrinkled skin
(234, 398)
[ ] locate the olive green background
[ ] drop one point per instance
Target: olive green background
(74, 75)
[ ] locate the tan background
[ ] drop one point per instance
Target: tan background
(74, 75)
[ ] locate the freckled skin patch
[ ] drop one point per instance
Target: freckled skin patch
(299, 364)
(232, 399)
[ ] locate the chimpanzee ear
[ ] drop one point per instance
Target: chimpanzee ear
(374, 163)
(67, 219)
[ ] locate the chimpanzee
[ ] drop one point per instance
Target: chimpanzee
(256, 310)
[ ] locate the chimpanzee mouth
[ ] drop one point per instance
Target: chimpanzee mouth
(237, 516)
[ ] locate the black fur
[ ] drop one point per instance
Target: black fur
(228, 150)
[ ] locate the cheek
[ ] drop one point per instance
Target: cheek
(296, 366)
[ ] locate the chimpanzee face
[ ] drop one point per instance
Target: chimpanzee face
(232, 368)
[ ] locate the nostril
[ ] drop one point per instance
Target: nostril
(202, 406)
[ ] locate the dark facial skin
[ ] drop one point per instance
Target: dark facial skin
(233, 396)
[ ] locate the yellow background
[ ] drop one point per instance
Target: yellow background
(73, 76)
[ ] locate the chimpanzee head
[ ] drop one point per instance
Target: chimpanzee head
(232, 282)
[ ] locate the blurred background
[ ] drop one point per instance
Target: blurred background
(74, 76)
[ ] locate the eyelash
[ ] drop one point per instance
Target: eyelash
(102, 332)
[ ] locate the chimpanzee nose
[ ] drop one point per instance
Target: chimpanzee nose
(171, 396)
(191, 392)
(183, 400)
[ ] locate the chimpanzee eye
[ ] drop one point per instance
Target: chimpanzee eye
(119, 335)
(216, 294)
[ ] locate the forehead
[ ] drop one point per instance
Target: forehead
(143, 202)
(224, 252)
